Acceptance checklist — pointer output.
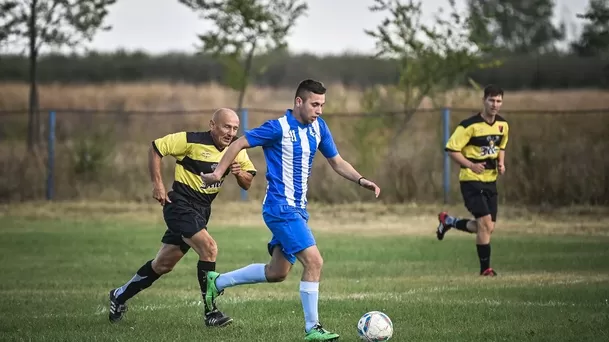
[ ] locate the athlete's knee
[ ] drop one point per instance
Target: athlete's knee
(204, 245)
(491, 228)
(160, 266)
(316, 263)
(485, 224)
(278, 269)
(275, 274)
(311, 259)
(166, 260)
(211, 247)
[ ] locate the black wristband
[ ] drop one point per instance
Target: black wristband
(359, 181)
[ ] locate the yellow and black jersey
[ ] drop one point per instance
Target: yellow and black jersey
(195, 152)
(479, 142)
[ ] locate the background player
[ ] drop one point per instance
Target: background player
(478, 146)
(289, 145)
(187, 208)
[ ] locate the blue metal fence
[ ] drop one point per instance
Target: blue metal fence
(51, 157)
(62, 124)
(446, 168)
(243, 113)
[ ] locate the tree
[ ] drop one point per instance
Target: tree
(243, 29)
(594, 39)
(6, 21)
(431, 58)
(52, 23)
(515, 26)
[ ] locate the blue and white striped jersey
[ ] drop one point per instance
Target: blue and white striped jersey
(289, 148)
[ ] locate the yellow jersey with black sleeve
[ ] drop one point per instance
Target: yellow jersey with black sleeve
(479, 142)
(195, 152)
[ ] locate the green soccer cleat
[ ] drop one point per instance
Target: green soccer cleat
(212, 291)
(318, 333)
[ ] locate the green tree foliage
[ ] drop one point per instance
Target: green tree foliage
(431, 58)
(594, 39)
(352, 71)
(32, 24)
(7, 22)
(515, 26)
(244, 29)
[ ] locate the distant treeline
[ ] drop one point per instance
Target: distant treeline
(516, 72)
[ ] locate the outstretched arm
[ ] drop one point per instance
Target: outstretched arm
(347, 171)
(227, 159)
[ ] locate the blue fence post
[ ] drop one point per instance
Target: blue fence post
(243, 114)
(445, 137)
(51, 157)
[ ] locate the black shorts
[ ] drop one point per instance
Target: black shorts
(184, 218)
(480, 198)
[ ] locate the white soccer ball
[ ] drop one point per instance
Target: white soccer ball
(375, 326)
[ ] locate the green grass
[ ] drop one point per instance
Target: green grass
(55, 276)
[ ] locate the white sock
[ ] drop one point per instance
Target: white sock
(250, 274)
(309, 295)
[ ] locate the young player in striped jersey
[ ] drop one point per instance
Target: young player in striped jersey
(289, 144)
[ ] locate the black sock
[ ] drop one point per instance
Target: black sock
(202, 268)
(144, 277)
(462, 225)
(484, 253)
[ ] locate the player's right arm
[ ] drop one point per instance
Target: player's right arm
(458, 140)
(264, 135)
(171, 144)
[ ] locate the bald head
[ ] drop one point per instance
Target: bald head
(224, 114)
(224, 125)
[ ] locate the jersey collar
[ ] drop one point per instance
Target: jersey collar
(290, 114)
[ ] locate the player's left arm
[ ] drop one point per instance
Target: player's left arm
(244, 170)
(327, 147)
(345, 169)
(501, 155)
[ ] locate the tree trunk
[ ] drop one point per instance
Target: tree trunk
(246, 75)
(33, 114)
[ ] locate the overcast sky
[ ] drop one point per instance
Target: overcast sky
(331, 26)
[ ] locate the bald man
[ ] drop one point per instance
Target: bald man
(187, 207)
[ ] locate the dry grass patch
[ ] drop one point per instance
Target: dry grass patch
(361, 218)
(165, 96)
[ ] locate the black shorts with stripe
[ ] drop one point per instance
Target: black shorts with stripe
(184, 218)
(480, 198)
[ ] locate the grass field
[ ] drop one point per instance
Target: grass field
(57, 263)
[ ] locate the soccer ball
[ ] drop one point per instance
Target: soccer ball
(375, 326)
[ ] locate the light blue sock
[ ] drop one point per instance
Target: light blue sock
(309, 295)
(250, 274)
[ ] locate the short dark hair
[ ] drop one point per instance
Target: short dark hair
(309, 86)
(492, 90)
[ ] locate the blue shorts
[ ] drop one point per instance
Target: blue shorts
(290, 230)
